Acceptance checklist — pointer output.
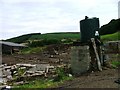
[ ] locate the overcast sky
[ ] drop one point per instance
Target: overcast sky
(18, 17)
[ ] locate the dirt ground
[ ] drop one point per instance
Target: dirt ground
(61, 55)
(52, 55)
(104, 79)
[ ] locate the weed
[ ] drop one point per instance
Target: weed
(47, 83)
(32, 50)
(115, 64)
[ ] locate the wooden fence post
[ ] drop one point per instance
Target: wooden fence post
(96, 54)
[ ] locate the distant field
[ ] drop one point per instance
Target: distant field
(111, 37)
(56, 36)
(59, 36)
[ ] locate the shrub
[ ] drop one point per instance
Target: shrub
(44, 42)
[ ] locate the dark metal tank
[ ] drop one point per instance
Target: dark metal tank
(88, 27)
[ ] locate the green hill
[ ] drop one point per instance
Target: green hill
(110, 28)
(38, 36)
(22, 38)
(111, 37)
(66, 35)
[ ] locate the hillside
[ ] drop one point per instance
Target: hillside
(22, 38)
(110, 28)
(111, 37)
(38, 36)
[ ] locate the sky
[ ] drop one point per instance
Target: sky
(119, 9)
(18, 17)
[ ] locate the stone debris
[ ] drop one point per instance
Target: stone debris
(112, 47)
(21, 73)
(5, 87)
(24, 70)
(25, 65)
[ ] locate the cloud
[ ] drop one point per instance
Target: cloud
(28, 16)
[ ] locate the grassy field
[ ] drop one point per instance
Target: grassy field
(56, 35)
(111, 37)
(31, 50)
(59, 36)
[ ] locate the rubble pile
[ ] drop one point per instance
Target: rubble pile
(11, 73)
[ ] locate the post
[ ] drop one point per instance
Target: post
(1, 73)
(96, 54)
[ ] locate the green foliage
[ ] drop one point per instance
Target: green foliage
(58, 36)
(116, 64)
(60, 74)
(50, 41)
(48, 36)
(47, 83)
(20, 72)
(41, 83)
(36, 44)
(111, 37)
(31, 50)
(112, 27)
(23, 38)
(67, 41)
(44, 42)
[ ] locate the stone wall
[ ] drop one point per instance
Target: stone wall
(112, 47)
(112, 50)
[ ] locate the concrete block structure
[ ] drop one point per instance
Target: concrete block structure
(80, 59)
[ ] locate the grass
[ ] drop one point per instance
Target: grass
(37, 84)
(48, 82)
(58, 36)
(111, 37)
(115, 64)
(31, 50)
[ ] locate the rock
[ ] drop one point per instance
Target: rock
(7, 67)
(37, 74)
(8, 87)
(30, 72)
(1, 66)
(56, 52)
(22, 68)
(25, 65)
(19, 83)
(34, 70)
(13, 67)
(6, 72)
(9, 77)
(41, 72)
(70, 75)
(51, 56)
(5, 87)
(48, 68)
